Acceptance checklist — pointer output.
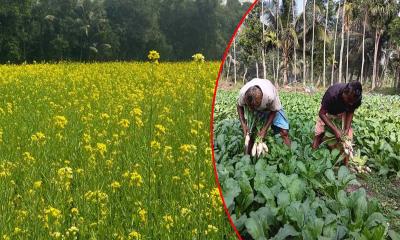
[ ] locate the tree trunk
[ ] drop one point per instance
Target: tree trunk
(244, 75)
(257, 69)
(347, 52)
(294, 45)
(334, 47)
(398, 79)
(264, 65)
(304, 42)
(363, 48)
(277, 40)
(234, 56)
(286, 65)
(342, 44)
(273, 67)
(326, 27)
(312, 45)
(229, 67)
(262, 44)
(374, 68)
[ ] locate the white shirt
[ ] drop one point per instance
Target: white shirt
(270, 99)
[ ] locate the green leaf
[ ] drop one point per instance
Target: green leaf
(295, 212)
(360, 204)
(375, 219)
(301, 167)
(286, 231)
(394, 235)
(342, 198)
(313, 229)
(255, 229)
(246, 196)
(231, 189)
(239, 223)
(296, 189)
(343, 171)
(330, 175)
(283, 198)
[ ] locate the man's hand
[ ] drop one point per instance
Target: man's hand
(262, 133)
(245, 129)
(338, 135)
(347, 131)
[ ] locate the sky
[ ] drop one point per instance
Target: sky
(299, 4)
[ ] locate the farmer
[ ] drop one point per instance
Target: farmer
(261, 98)
(338, 103)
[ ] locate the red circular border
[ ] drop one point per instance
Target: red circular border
(212, 115)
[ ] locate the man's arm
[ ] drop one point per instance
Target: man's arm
(347, 122)
(329, 123)
(240, 110)
(267, 124)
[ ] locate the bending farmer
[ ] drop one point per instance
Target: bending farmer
(260, 99)
(339, 103)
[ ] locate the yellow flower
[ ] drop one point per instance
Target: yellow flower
(86, 138)
(65, 173)
(28, 157)
(168, 222)
(188, 148)
(60, 121)
(38, 137)
(155, 145)
(74, 211)
(143, 215)
(96, 196)
(115, 185)
(54, 212)
(37, 184)
(211, 229)
(56, 235)
(160, 129)
(135, 179)
(101, 148)
(124, 123)
(74, 230)
(153, 56)
(176, 178)
(198, 57)
(134, 235)
(104, 116)
(186, 172)
(185, 211)
(136, 112)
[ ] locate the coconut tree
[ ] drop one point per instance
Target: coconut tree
(364, 7)
(312, 44)
(304, 42)
(325, 33)
(381, 13)
(348, 21)
(334, 44)
(342, 44)
(294, 47)
(286, 36)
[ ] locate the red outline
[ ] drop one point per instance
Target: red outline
(212, 114)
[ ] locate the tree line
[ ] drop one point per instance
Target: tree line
(105, 30)
(326, 42)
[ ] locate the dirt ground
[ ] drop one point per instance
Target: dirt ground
(386, 191)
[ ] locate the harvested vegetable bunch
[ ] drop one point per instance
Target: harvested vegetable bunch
(347, 146)
(259, 148)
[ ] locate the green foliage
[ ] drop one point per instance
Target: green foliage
(86, 30)
(297, 193)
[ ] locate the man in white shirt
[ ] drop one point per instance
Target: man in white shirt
(261, 97)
